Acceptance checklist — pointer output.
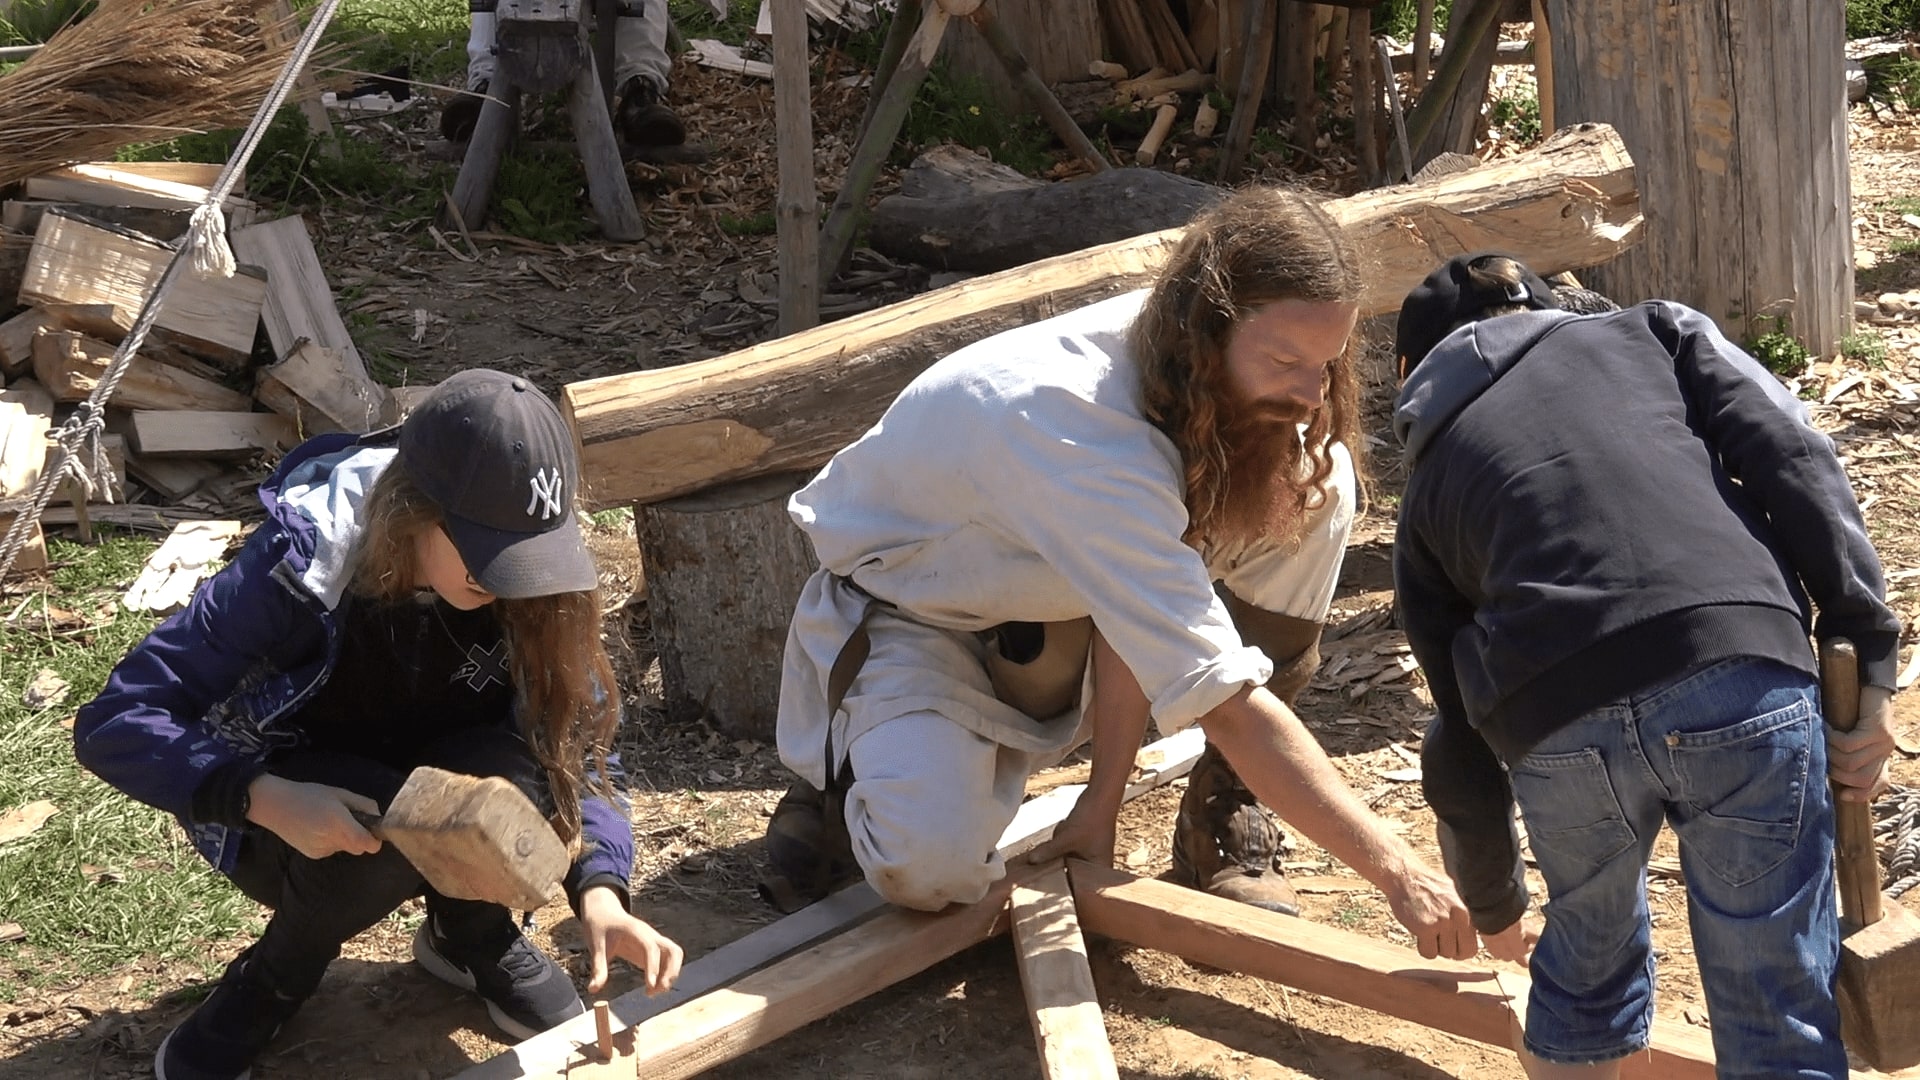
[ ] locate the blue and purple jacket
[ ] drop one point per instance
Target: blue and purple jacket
(217, 684)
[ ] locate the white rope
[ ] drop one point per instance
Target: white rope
(206, 246)
(1896, 832)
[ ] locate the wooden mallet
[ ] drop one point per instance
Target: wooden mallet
(473, 838)
(1880, 943)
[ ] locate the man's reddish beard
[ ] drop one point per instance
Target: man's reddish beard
(1264, 495)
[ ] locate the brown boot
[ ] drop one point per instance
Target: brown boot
(1225, 843)
(807, 849)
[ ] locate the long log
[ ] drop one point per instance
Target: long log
(792, 403)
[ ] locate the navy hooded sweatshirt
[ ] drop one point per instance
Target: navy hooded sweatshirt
(1596, 506)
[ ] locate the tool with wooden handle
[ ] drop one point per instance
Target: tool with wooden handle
(473, 838)
(1880, 943)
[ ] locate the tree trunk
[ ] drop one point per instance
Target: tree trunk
(724, 568)
(794, 402)
(1736, 116)
(958, 211)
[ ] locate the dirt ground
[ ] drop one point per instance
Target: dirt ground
(702, 800)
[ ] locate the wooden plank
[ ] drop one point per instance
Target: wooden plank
(188, 556)
(23, 448)
(70, 365)
(1061, 1002)
(160, 519)
(74, 262)
(208, 434)
(173, 478)
(130, 184)
(16, 340)
(299, 304)
(30, 395)
(1458, 998)
(792, 403)
(760, 1008)
(321, 390)
(165, 226)
(1158, 763)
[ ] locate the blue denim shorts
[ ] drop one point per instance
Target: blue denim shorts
(1733, 757)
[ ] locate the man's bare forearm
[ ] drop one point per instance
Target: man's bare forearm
(1284, 766)
(1119, 723)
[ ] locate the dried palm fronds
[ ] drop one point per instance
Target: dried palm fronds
(138, 71)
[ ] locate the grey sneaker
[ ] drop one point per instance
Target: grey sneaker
(525, 991)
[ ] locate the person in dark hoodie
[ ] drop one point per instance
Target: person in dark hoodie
(418, 596)
(1614, 532)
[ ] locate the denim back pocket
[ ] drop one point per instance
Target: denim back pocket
(1570, 807)
(1744, 790)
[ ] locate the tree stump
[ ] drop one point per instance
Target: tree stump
(724, 569)
(1736, 117)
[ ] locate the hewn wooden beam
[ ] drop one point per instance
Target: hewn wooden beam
(1457, 998)
(792, 403)
(1061, 1002)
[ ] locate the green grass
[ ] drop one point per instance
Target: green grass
(1866, 346)
(1517, 112)
(957, 108)
(1869, 18)
(165, 901)
(1353, 912)
(1398, 18)
(32, 22)
(761, 224)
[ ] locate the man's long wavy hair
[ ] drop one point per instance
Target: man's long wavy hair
(1256, 246)
(561, 675)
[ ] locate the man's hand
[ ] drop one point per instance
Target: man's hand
(1086, 832)
(314, 819)
(1515, 943)
(1426, 903)
(612, 931)
(1857, 759)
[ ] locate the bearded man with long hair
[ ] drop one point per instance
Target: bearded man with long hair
(1133, 510)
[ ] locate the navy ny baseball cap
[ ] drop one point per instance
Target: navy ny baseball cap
(496, 456)
(1452, 295)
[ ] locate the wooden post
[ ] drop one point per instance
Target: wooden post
(283, 27)
(900, 27)
(1257, 31)
(1746, 185)
(492, 134)
(1399, 117)
(1059, 39)
(836, 237)
(1466, 32)
(798, 210)
(1306, 99)
(1061, 1002)
(724, 569)
(1422, 44)
(1543, 64)
(1366, 140)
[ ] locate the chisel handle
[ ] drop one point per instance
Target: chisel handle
(1855, 863)
(370, 822)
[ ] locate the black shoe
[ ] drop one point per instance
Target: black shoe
(808, 851)
(462, 114)
(228, 1031)
(525, 991)
(643, 120)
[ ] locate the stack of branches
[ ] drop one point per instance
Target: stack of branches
(139, 71)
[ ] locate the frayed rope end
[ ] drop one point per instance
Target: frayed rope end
(208, 235)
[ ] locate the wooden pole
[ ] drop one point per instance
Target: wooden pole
(1399, 117)
(607, 187)
(492, 134)
(795, 402)
(1037, 94)
(797, 213)
(1543, 64)
(1457, 998)
(1422, 44)
(836, 237)
(1453, 64)
(1061, 1002)
(1366, 137)
(1301, 21)
(1257, 31)
(900, 28)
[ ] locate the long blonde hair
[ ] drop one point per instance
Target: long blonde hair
(567, 696)
(1256, 246)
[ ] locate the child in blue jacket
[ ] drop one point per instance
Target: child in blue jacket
(418, 596)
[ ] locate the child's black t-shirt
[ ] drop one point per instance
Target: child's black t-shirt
(409, 673)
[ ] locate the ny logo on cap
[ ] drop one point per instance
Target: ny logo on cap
(546, 484)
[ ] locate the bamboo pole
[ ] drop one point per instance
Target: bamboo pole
(797, 210)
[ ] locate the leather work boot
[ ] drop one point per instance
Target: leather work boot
(643, 119)
(808, 851)
(1225, 842)
(462, 114)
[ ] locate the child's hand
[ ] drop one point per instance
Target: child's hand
(314, 819)
(613, 932)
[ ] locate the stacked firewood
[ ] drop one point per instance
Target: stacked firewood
(235, 369)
